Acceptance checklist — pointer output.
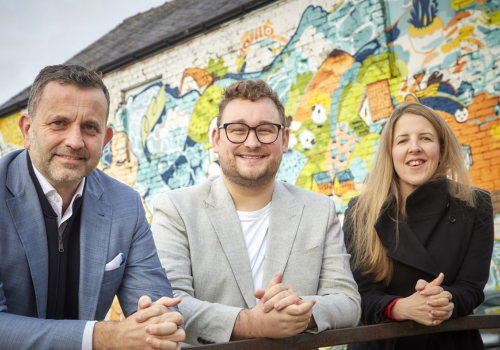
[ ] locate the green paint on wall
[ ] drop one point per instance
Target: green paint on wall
(321, 137)
(205, 110)
(373, 69)
(365, 149)
(217, 67)
(296, 92)
(315, 165)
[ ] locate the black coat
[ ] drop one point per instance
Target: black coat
(441, 234)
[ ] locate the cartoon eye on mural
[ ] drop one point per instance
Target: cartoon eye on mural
(319, 114)
(307, 139)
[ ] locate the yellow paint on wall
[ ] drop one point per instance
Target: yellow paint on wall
(320, 99)
(488, 17)
(460, 4)
(495, 135)
(429, 30)
(10, 130)
(154, 112)
(455, 43)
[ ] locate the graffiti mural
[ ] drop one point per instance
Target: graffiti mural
(10, 134)
(340, 73)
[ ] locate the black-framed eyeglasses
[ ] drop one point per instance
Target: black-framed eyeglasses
(238, 132)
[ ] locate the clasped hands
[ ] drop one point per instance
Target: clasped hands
(430, 305)
(153, 326)
(279, 313)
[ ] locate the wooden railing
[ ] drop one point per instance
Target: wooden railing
(305, 341)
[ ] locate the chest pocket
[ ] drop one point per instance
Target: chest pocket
(303, 269)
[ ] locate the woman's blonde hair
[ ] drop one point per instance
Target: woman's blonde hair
(381, 191)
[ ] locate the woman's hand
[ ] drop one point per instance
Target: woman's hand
(430, 305)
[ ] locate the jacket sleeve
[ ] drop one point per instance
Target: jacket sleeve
(467, 289)
(337, 300)
(374, 297)
(205, 322)
(143, 274)
(21, 332)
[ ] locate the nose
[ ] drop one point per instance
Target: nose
(252, 141)
(414, 147)
(74, 138)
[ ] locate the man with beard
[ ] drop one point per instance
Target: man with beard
(73, 237)
(223, 241)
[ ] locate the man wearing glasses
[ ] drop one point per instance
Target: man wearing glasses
(248, 255)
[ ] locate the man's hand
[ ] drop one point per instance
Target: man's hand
(430, 305)
(277, 295)
(165, 328)
(153, 326)
(273, 323)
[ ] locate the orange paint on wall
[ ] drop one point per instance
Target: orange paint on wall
(325, 82)
(485, 169)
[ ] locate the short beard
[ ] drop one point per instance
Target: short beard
(42, 162)
(260, 181)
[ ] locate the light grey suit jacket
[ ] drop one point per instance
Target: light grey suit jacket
(201, 246)
(112, 222)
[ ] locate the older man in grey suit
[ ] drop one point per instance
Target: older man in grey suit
(225, 239)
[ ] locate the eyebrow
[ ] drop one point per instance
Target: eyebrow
(90, 121)
(261, 122)
(422, 133)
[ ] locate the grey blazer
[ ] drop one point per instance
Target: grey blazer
(113, 221)
(201, 246)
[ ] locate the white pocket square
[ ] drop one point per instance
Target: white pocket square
(115, 263)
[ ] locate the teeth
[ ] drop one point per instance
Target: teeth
(251, 157)
(415, 162)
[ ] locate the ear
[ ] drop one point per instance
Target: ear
(215, 140)
(108, 136)
(25, 122)
(286, 138)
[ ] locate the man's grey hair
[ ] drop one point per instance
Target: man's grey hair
(65, 74)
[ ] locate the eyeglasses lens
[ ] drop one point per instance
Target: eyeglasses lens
(266, 133)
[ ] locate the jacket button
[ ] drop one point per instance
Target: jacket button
(452, 219)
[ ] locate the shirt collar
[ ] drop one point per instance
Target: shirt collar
(47, 187)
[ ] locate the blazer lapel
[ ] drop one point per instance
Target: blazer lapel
(94, 242)
(408, 250)
(222, 214)
(284, 221)
(28, 218)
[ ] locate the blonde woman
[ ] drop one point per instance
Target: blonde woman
(420, 236)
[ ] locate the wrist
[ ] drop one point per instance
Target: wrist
(244, 327)
(104, 335)
(312, 323)
(397, 311)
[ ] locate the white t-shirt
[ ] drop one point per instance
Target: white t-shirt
(254, 225)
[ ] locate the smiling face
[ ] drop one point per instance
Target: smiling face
(251, 163)
(415, 152)
(66, 137)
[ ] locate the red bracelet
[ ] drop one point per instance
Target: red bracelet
(387, 312)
